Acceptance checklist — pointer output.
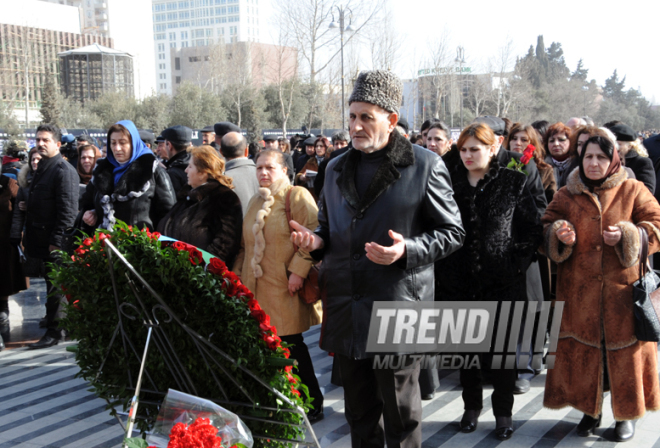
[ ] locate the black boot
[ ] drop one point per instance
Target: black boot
(587, 425)
(2, 343)
(624, 431)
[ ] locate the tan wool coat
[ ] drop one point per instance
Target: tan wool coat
(266, 250)
(594, 281)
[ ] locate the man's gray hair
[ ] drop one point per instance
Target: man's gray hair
(341, 136)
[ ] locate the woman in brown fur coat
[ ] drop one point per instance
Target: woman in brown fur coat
(591, 233)
(273, 270)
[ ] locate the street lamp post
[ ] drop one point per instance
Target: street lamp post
(460, 59)
(341, 12)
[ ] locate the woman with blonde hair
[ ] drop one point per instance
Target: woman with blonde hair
(274, 269)
(635, 156)
(208, 213)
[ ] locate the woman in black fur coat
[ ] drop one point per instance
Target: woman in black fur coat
(208, 214)
(502, 232)
(128, 185)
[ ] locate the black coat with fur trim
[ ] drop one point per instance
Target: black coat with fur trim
(410, 194)
(209, 217)
(503, 230)
(143, 195)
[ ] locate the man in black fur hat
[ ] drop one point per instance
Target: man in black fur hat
(387, 213)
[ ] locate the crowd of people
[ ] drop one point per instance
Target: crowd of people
(387, 216)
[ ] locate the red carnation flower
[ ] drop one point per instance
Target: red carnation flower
(155, 235)
(294, 390)
(253, 305)
(88, 242)
(179, 245)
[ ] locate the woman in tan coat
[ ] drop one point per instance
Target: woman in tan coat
(271, 268)
(591, 233)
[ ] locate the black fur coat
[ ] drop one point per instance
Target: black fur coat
(142, 197)
(209, 217)
(502, 233)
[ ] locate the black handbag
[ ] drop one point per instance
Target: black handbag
(646, 296)
(71, 235)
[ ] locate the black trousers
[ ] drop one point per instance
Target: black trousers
(55, 303)
(381, 405)
(503, 380)
(300, 352)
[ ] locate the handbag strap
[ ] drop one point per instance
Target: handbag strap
(287, 209)
(643, 251)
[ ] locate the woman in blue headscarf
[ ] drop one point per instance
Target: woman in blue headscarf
(129, 185)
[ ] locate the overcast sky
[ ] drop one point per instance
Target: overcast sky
(606, 35)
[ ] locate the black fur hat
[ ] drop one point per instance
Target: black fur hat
(378, 87)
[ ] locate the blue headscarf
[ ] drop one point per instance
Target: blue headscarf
(139, 149)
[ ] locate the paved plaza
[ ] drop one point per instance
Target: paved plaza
(43, 404)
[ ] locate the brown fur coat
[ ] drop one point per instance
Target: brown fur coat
(594, 280)
(267, 256)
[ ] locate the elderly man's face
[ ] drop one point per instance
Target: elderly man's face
(370, 126)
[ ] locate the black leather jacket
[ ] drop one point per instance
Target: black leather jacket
(410, 194)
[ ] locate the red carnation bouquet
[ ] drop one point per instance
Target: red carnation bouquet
(527, 155)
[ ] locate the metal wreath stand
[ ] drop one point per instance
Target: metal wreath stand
(178, 371)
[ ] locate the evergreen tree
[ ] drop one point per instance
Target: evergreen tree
(580, 73)
(51, 102)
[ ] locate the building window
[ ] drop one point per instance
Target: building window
(163, 85)
(161, 47)
(178, 80)
(232, 30)
(177, 63)
(163, 76)
(183, 5)
(161, 66)
(233, 19)
(160, 36)
(232, 10)
(171, 6)
(221, 31)
(172, 36)
(184, 35)
(161, 56)
(220, 11)
(172, 44)
(184, 44)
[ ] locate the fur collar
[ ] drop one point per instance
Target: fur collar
(576, 186)
(24, 177)
(398, 154)
(134, 179)
(268, 195)
(274, 189)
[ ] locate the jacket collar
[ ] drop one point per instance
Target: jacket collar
(134, 179)
(576, 186)
(398, 154)
(46, 163)
(181, 158)
(236, 163)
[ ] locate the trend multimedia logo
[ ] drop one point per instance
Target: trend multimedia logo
(452, 335)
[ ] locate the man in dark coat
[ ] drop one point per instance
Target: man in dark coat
(387, 213)
(177, 140)
(208, 137)
(241, 169)
(52, 207)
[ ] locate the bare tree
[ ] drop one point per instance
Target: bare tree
(286, 78)
(385, 45)
(439, 68)
(480, 92)
(502, 63)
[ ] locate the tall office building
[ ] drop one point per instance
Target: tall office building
(128, 23)
(192, 23)
(31, 35)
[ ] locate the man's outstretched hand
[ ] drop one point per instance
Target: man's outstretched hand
(305, 238)
(387, 255)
